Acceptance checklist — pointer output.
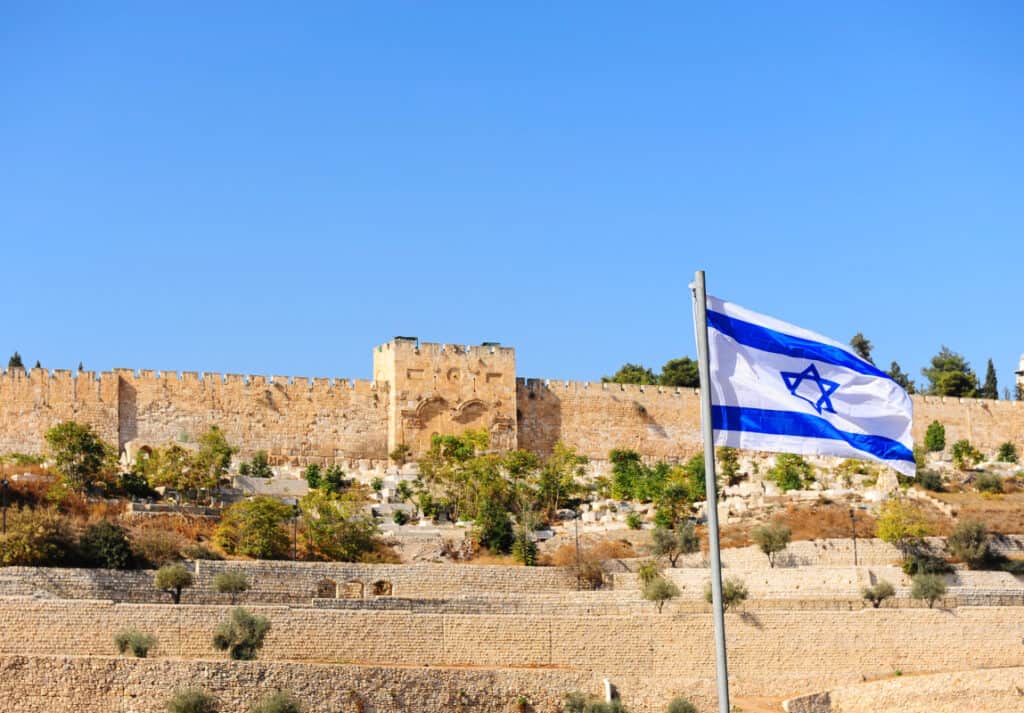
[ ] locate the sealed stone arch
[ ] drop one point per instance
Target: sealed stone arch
(352, 590)
(326, 589)
(382, 588)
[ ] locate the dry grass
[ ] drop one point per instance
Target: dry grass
(808, 521)
(1001, 513)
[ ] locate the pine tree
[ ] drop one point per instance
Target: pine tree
(15, 362)
(80, 367)
(990, 389)
(38, 365)
(862, 347)
(902, 378)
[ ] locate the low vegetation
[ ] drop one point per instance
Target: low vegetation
(231, 582)
(734, 593)
(173, 579)
(192, 700)
(280, 702)
(241, 635)
(929, 587)
(134, 642)
(878, 593)
(659, 590)
(772, 539)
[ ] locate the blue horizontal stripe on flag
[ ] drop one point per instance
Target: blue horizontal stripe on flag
(770, 340)
(792, 423)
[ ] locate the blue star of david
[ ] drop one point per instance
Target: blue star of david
(826, 388)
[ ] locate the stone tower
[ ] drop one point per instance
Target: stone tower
(445, 389)
(1020, 376)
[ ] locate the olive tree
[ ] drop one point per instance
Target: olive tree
(172, 578)
(772, 539)
(241, 635)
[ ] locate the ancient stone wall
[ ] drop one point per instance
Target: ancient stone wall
(69, 684)
(649, 657)
(419, 390)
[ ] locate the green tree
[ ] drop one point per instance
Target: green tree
(681, 705)
(930, 587)
(901, 524)
(632, 374)
(558, 478)
(990, 389)
(772, 539)
(258, 467)
(104, 544)
(312, 475)
(659, 590)
(965, 456)
(524, 549)
(172, 579)
(400, 454)
(241, 635)
(862, 347)
(255, 528)
(1007, 453)
(935, 437)
(672, 544)
(493, 528)
(728, 462)
(647, 571)
(683, 372)
(989, 483)
(790, 472)
(734, 593)
(950, 375)
(335, 529)
(231, 582)
(902, 378)
(38, 537)
(213, 460)
(969, 542)
(333, 481)
(15, 362)
(280, 702)
(192, 700)
(79, 454)
(878, 593)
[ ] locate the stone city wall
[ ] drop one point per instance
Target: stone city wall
(70, 684)
(642, 654)
(298, 420)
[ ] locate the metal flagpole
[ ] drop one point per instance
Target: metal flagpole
(704, 362)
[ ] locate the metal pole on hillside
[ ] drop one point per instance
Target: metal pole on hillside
(700, 308)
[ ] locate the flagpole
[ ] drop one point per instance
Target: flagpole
(704, 362)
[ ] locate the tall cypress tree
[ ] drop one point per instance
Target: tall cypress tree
(15, 362)
(990, 389)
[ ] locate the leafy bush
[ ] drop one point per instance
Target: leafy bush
(255, 528)
(930, 480)
(878, 593)
(400, 517)
(135, 485)
(672, 544)
(1007, 453)
(493, 528)
(989, 483)
(38, 537)
(172, 578)
(106, 545)
(647, 571)
(231, 582)
(681, 705)
(772, 539)
(919, 559)
(659, 590)
(279, 702)
(965, 456)
(79, 454)
(524, 549)
(901, 524)
(258, 467)
(734, 593)
(195, 551)
(333, 528)
(134, 641)
(930, 587)
(241, 635)
(790, 472)
(377, 483)
(935, 437)
(634, 521)
(192, 700)
(970, 543)
(312, 475)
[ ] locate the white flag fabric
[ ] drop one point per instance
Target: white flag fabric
(776, 387)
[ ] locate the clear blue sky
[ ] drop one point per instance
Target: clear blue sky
(276, 188)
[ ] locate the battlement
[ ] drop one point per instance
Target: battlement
(412, 345)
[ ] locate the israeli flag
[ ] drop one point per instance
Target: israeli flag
(776, 387)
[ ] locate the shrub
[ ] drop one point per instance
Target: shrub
(192, 700)
(647, 572)
(134, 641)
(634, 521)
(734, 593)
(1007, 453)
(156, 546)
(334, 529)
(989, 483)
(930, 480)
(106, 545)
(681, 705)
(279, 702)
(919, 559)
(172, 578)
(930, 587)
(195, 551)
(965, 456)
(377, 483)
(970, 543)
(935, 437)
(36, 538)
(493, 528)
(400, 517)
(790, 472)
(255, 528)
(524, 549)
(79, 454)
(901, 524)
(241, 635)
(400, 454)
(674, 543)
(659, 590)
(312, 475)
(877, 594)
(771, 539)
(613, 707)
(231, 582)
(575, 702)
(258, 467)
